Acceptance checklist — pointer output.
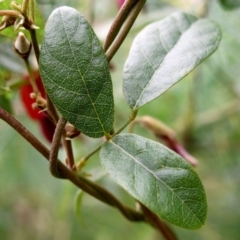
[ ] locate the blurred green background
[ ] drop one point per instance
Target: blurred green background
(203, 109)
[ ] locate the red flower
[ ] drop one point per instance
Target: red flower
(47, 126)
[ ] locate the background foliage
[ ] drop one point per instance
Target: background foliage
(203, 109)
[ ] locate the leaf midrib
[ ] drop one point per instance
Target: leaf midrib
(79, 70)
(136, 161)
(136, 104)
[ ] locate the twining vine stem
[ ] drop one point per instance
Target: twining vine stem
(85, 184)
(118, 22)
(116, 41)
(116, 36)
(53, 160)
(24, 6)
(156, 222)
(51, 110)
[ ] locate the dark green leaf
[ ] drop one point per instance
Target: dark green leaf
(164, 52)
(75, 72)
(157, 177)
(230, 4)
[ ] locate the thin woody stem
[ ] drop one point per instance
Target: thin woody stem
(53, 160)
(50, 107)
(32, 79)
(51, 110)
(35, 43)
(24, 7)
(86, 185)
(159, 224)
(118, 22)
(69, 151)
(124, 30)
(31, 10)
(10, 13)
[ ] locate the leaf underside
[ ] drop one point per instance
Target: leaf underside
(157, 177)
(75, 72)
(165, 52)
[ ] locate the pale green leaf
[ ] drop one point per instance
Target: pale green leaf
(164, 52)
(157, 177)
(75, 72)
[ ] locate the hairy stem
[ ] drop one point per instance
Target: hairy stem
(157, 223)
(51, 110)
(53, 160)
(118, 22)
(31, 10)
(86, 185)
(24, 7)
(35, 43)
(68, 147)
(10, 13)
(124, 30)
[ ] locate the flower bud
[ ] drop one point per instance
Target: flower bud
(22, 46)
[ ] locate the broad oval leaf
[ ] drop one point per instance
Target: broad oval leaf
(157, 177)
(164, 52)
(75, 72)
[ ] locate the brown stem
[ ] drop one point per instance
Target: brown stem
(31, 10)
(35, 43)
(50, 107)
(24, 7)
(118, 22)
(53, 160)
(51, 110)
(69, 151)
(86, 185)
(157, 223)
(124, 30)
(10, 13)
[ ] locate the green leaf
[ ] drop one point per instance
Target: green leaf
(164, 52)
(230, 4)
(75, 72)
(157, 177)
